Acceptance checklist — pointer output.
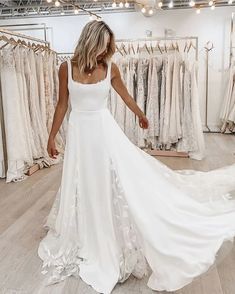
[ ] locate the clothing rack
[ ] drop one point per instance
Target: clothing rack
(64, 53)
(152, 39)
(15, 34)
(21, 36)
(157, 152)
(29, 27)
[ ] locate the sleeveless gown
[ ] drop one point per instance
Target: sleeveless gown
(119, 211)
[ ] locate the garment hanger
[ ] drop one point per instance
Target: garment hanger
(40, 48)
(146, 47)
(18, 43)
(209, 46)
(158, 47)
(191, 45)
(194, 46)
(5, 39)
(172, 46)
(177, 46)
(129, 49)
(123, 48)
(132, 47)
(10, 41)
(36, 47)
(119, 50)
(138, 48)
(185, 46)
(151, 46)
(165, 47)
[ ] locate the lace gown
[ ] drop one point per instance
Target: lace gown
(16, 137)
(119, 211)
(152, 109)
(2, 164)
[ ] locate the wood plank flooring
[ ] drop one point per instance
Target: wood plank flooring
(24, 206)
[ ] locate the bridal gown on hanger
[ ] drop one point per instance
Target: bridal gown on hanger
(119, 211)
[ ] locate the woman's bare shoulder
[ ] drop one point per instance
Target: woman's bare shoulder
(114, 69)
(63, 69)
(63, 66)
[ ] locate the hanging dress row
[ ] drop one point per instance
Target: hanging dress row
(227, 114)
(29, 89)
(165, 88)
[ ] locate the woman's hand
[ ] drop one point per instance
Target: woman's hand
(51, 149)
(143, 122)
(120, 88)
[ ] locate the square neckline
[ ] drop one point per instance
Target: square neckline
(100, 81)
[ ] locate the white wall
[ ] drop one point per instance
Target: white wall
(208, 26)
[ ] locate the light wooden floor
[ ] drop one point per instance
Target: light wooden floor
(24, 205)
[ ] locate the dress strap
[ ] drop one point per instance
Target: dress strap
(109, 70)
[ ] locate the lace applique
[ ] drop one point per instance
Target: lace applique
(132, 260)
(66, 261)
(62, 265)
(8, 58)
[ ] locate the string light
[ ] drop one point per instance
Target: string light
(143, 10)
(126, 4)
(192, 3)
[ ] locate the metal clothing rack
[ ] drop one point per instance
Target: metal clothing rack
(29, 27)
(21, 36)
(64, 53)
(4, 31)
(152, 39)
(156, 152)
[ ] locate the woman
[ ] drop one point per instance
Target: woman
(118, 210)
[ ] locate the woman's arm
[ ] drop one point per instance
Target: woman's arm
(121, 89)
(61, 108)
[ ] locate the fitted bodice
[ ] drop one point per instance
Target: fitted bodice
(88, 97)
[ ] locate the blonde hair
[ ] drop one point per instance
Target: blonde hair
(92, 42)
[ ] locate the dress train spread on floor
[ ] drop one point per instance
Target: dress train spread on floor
(119, 211)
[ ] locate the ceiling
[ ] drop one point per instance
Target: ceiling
(29, 8)
(41, 8)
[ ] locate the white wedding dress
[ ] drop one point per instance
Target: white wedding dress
(119, 211)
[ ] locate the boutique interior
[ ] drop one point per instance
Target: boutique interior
(176, 58)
